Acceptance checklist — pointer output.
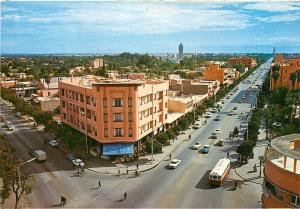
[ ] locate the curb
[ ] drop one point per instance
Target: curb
(143, 170)
(246, 178)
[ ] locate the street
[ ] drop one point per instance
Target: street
(185, 186)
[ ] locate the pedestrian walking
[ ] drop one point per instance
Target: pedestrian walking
(99, 184)
(137, 166)
(125, 196)
(170, 156)
(227, 154)
(190, 137)
(127, 171)
(119, 172)
(63, 200)
(255, 168)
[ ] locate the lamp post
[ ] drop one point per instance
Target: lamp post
(28, 161)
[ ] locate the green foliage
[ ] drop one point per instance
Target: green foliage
(157, 147)
(246, 149)
(162, 138)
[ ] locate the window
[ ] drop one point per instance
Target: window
(88, 100)
(82, 125)
(64, 116)
(117, 132)
(81, 98)
(77, 96)
(166, 116)
(130, 117)
(106, 132)
(295, 200)
(130, 132)
(89, 128)
(117, 102)
(104, 102)
(89, 114)
(62, 92)
(63, 104)
(82, 111)
(118, 117)
(129, 102)
(105, 117)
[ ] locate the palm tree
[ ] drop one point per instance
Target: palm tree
(275, 76)
(293, 78)
(298, 78)
(275, 73)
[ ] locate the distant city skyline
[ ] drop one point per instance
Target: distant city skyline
(149, 27)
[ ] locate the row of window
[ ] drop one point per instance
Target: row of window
(151, 97)
(118, 132)
(78, 97)
(117, 102)
(89, 113)
(294, 200)
(81, 124)
(118, 117)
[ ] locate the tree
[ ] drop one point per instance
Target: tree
(293, 78)
(18, 182)
(246, 149)
(298, 78)
(275, 73)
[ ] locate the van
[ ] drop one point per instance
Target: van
(40, 155)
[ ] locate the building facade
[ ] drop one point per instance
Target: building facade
(116, 113)
(281, 188)
(214, 72)
(287, 67)
(97, 63)
(246, 61)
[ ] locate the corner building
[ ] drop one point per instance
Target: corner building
(116, 113)
(281, 188)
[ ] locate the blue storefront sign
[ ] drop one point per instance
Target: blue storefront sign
(118, 149)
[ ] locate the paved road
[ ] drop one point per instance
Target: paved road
(185, 186)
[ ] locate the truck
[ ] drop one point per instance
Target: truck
(40, 155)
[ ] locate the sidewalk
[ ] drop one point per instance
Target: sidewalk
(246, 172)
(145, 163)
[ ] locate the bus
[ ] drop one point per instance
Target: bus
(218, 174)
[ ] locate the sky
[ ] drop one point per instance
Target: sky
(45, 27)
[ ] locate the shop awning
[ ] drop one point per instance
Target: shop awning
(118, 149)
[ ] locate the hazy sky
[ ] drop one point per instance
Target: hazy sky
(153, 27)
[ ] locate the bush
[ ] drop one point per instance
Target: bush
(162, 138)
(246, 149)
(157, 147)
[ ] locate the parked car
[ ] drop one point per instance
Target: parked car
(217, 118)
(205, 149)
(235, 108)
(213, 110)
(217, 132)
(277, 124)
(78, 163)
(53, 143)
(6, 124)
(208, 115)
(18, 114)
(196, 146)
(71, 157)
(228, 97)
(174, 163)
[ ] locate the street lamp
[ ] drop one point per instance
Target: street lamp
(28, 161)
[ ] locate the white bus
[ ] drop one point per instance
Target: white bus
(219, 173)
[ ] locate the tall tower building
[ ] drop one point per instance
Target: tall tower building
(180, 51)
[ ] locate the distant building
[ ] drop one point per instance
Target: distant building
(137, 76)
(76, 70)
(246, 61)
(49, 87)
(47, 104)
(214, 72)
(281, 187)
(97, 63)
(180, 51)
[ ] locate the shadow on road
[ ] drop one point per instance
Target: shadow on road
(120, 200)
(203, 183)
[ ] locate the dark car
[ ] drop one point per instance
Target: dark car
(71, 157)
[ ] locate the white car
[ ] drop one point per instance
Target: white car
(10, 127)
(208, 115)
(78, 163)
(174, 163)
(217, 132)
(231, 113)
(277, 124)
(53, 143)
(196, 146)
